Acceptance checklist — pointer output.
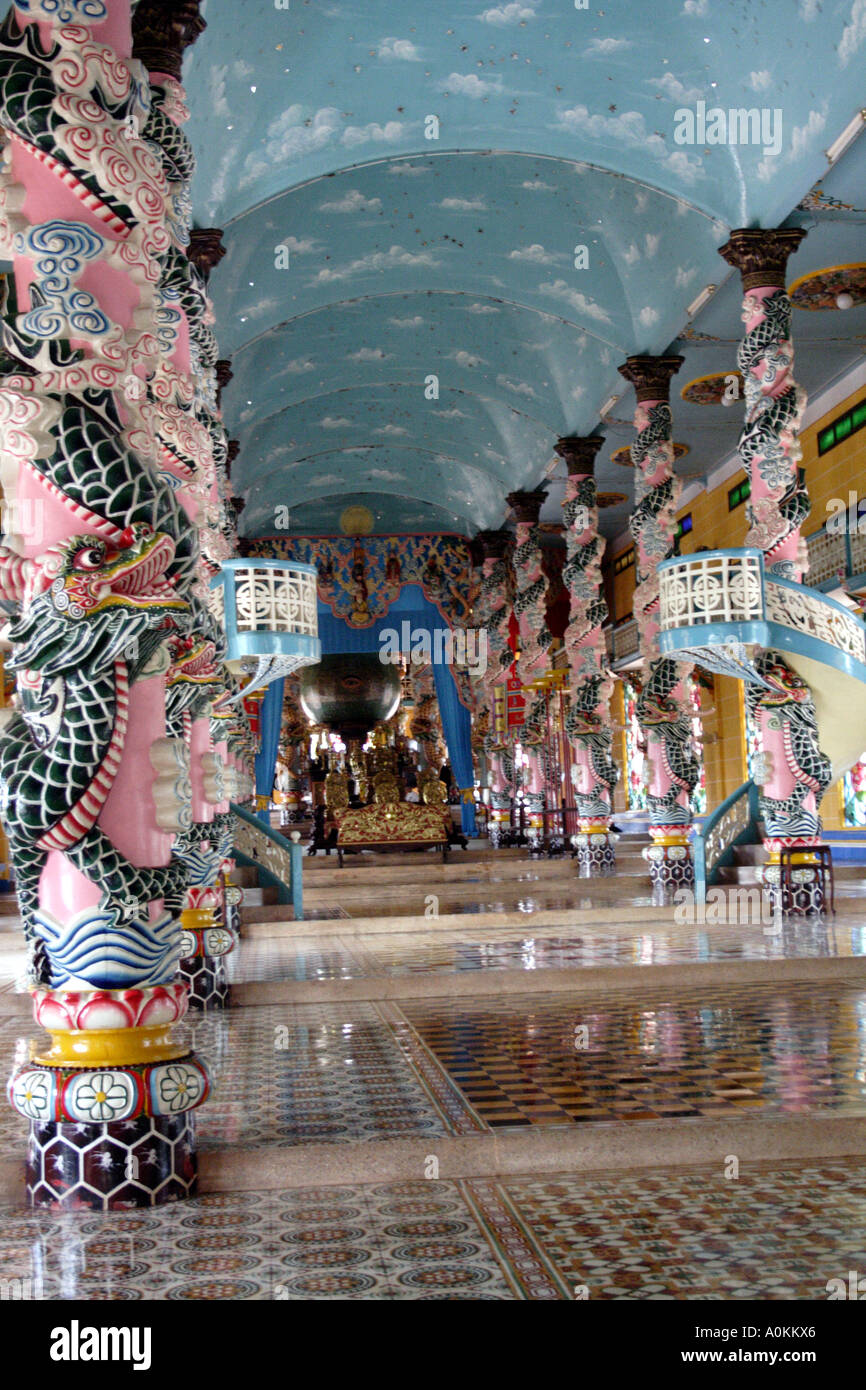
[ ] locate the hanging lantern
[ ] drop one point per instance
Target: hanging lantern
(271, 618)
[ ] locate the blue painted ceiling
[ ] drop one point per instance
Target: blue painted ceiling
(364, 258)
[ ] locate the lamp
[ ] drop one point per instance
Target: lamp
(847, 137)
(706, 293)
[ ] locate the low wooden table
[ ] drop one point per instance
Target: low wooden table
(402, 825)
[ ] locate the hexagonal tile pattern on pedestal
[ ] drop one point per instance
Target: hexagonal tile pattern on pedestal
(112, 1166)
(206, 978)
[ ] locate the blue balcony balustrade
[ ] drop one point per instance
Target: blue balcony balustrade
(715, 605)
(268, 608)
(718, 607)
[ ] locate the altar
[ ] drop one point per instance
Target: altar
(393, 825)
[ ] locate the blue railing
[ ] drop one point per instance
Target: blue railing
(708, 864)
(752, 612)
(289, 885)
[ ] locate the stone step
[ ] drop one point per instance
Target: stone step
(257, 897)
(749, 854)
(566, 881)
(392, 859)
(747, 873)
(457, 870)
(540, 1150)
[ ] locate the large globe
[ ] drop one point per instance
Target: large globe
(351, 692)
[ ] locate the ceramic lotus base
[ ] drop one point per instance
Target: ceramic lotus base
(205, 977)
(595, 856)
(143, 1162)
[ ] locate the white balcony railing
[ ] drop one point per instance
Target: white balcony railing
(271, 617)
(720, 586)
(724, 589)
(275, 600)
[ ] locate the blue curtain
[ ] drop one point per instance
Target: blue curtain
(411, 606)
(266, 758)
(457, 728)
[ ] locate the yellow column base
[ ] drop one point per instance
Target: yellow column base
(198, 918)
(805, 856)
(115, 1047)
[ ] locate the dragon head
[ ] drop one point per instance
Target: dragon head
(193, 678)
(87, 601)
(193, 662)
(92, 576)
(654, 710)
(787, 688)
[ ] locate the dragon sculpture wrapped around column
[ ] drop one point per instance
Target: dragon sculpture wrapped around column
(594, 774)
(663, 707)
(794, 773)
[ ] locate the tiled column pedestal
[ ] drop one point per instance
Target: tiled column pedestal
(593, 846)
(669, 858)
(805, 895)
(500, 812)
(110, 1102)
(205, 942)
(533, 805)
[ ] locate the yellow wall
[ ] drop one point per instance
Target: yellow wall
(714, 526)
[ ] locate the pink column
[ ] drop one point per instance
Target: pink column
(102, 574)
(663, 709)
(587, 723)
(794, 771)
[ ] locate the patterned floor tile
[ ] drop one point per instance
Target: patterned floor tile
(717, 1052)
(774, 1233)
(286, 1075)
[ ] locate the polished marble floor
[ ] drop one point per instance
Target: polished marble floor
(772, 1233)
(492, 1070)
(713, 1053)
(357, 1072)
(586, 944)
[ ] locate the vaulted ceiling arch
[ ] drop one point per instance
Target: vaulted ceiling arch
(513, 176)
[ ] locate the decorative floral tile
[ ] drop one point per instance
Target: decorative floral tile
(718, 1052)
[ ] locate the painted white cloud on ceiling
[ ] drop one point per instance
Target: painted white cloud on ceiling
(469, 84)
(376, 261)
(353, 200)
(504, 15)
(854, 33)
(629, 128)
(398, 50)
(559, 289)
